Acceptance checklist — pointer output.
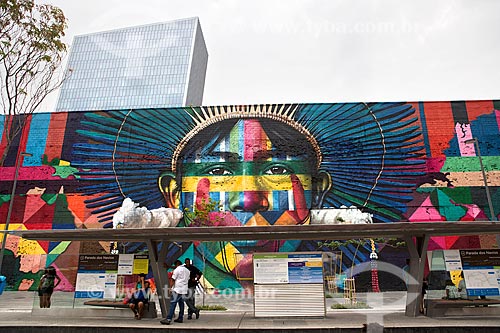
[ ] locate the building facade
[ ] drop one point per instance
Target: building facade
(262, 164)
(150, 66)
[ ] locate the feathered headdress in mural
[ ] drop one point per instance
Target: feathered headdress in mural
(372, 151)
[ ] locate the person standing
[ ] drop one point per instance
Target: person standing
(462, 289)
(425, 287)
(47, 285)
(180, 279)
(194, 277)
(406, 273)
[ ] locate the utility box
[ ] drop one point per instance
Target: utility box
(289, 284)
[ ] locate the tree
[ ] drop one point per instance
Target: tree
(31, 52)
(204, 213)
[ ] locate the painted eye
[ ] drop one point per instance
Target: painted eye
(277, 170)
(219, 172)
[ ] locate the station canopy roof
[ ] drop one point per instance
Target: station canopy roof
(298, 232)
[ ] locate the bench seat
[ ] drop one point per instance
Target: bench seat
(438, 307)
(107, 303)
(149, 309)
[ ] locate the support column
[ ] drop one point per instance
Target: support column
(417, 247)
(160, 273)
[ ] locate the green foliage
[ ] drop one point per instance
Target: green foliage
(392, 242)
(334, 295)
(357, 305)
(212, 308)
(201, 215)
(333, 245)
(31, 52)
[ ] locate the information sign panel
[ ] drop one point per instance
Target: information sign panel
(98, 263)
(481, 271)
(290, 268)
(98, 274)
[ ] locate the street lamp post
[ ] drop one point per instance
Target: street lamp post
(487, 189)
(11, 205)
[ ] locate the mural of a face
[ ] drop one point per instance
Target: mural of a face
(261, 172)
(264, 164)
(253, 169)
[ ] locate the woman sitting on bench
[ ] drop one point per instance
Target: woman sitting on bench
(139, 299)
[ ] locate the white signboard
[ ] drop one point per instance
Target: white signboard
(90, 285)
(270, 269)
(125, 264)
(481, 279)
(110, 285)
(96, 285)
(452, 260)
(481, 271)
(289, 284)
(293, 268)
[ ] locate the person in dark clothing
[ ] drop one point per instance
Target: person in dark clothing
(425, 287)
(194, 277)
(139, 298)
(47, 285)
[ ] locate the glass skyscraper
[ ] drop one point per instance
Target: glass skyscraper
(149, 66)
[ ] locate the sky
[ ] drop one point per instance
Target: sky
(300, 51)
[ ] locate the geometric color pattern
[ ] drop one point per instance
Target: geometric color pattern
(265, 165)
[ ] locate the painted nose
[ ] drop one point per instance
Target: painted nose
(249, 201)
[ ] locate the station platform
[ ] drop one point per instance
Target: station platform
(19, 312)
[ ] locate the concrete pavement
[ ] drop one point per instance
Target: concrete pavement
(19, 312)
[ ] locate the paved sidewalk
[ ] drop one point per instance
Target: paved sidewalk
(19, 312)
(28, 300)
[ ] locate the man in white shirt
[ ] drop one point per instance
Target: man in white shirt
(180, 279)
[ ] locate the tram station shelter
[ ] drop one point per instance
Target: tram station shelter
(416, 235)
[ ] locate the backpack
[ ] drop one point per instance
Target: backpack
(48, 281)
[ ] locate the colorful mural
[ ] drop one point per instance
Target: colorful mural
(264, 165)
